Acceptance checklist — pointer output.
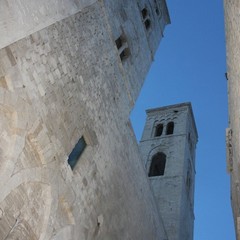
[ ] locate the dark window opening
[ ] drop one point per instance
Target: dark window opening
(147, 23)
(125, 54)
(170, 128)
(156, 8)
(146, 18)
(188, 180)
(122, 55)
(159, 130)
(158, 163)
(119, 42)
(122, 46)
(190, 142)
(76, 152)
(144, 13)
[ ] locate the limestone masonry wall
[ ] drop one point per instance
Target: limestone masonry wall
(174, 189)
(19, 19)
(58, 84)
(232, 28)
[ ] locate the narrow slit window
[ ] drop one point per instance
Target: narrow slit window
(170, 128)
(157, 10)
(158, 163)
(189, 178)
(188, 182)
(122, 46)
(146, 18)
(144, 13)
(159, 130)
(76, 152)
(147, 24)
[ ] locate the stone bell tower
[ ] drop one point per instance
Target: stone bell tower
(168, 151)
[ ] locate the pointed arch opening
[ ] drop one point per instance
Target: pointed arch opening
(170, 128)
(158, 163)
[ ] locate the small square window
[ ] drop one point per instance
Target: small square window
(122, 46)
(119, 43)
(124, 54)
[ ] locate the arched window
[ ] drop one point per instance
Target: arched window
(158, 163)
(170, 128)
(159, 130)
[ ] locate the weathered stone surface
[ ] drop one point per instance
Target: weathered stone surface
(174, 189)
(57, 85)
(232, 28)
(19, 19)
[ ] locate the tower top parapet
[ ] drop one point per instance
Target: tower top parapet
(175, 107)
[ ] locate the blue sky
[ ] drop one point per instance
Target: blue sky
(189, 66)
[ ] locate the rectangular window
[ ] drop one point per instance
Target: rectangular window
(76, 152)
